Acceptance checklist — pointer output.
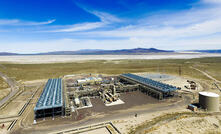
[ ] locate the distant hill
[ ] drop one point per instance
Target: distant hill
(208, 51)
(7, 54)
(135, 51)
(107, 52)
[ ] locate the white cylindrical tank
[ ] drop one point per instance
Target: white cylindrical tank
(77, 101)
(81, 81)
(209, 101)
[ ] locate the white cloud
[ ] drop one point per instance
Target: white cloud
(80, 27)
(8, 22)
(105, 20)
(194, 30)
(212, 1)
(105, 17)
(189, 24)
(17, 22)
(39, 23)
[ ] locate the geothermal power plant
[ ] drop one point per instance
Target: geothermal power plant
(55, 100)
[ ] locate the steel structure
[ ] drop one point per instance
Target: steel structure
(51, 101)
(152, 87)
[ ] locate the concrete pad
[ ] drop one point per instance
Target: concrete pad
(89, 104)
(84, 107)
(118, 102)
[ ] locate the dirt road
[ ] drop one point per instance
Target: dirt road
(23, 112)
(13, 85)
(206, 74)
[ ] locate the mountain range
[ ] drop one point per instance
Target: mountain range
(135, 51)
(98, 52)
(208, 51)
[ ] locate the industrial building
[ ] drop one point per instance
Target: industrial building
(209, 101)
(149, 86)
(51, 101)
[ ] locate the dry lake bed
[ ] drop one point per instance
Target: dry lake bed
(35, 59)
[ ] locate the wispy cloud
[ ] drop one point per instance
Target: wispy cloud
(8, 22)
(191, 23)
(106, 17)
(79, 27)
(212, 1)
(16, 22)
(105, 20)
(40, 23)
(199, 29)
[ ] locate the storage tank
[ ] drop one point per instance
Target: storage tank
(77, 101)
(81, 81)
(209, 101)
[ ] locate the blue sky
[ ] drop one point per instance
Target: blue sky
(31, 26)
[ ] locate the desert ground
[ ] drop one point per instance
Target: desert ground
(169, 116)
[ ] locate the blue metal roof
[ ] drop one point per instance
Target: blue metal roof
(155, 84)
(52, 96)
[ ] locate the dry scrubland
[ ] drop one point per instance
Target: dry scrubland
(27, 72)
(179, 123)
(3, 88)
(3, 84)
